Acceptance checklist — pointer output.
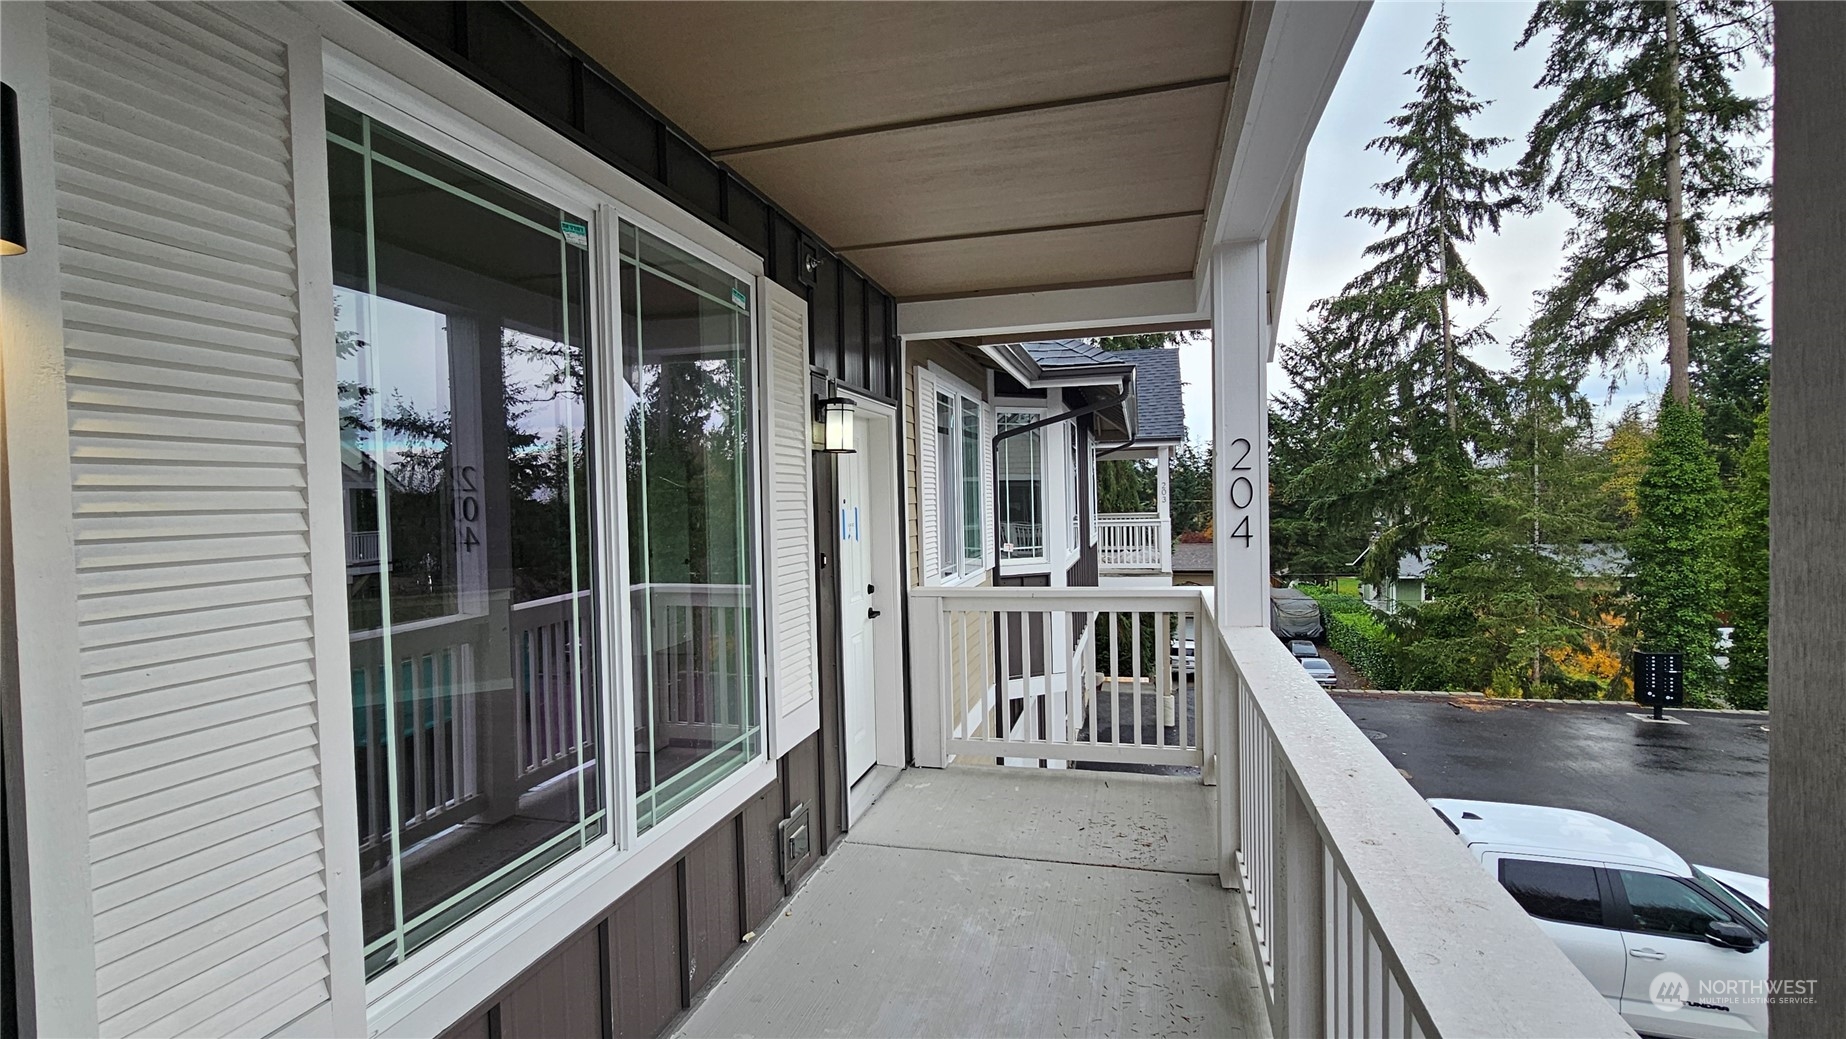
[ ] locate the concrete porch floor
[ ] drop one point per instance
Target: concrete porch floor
(983, 901)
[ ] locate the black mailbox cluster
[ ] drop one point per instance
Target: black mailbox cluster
(1660, 679)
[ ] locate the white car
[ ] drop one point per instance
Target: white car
(1320, 671)
(1680, 951)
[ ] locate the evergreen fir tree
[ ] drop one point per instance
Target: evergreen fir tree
(1420, 272)
(1511, 579)
(1392, 405)
(1674, 549)
(1730, 370)
(1652, 149)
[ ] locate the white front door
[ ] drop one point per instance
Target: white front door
(857, 608)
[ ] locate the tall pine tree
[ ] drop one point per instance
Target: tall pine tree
(1656, 153)
(1447, 195)
(1396, 408)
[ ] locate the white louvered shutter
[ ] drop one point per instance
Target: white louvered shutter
(987, 486)
(794, 673)
(183, 332)
(929, 480)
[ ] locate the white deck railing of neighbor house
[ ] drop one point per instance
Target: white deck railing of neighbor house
(1369, 916)
(1134, 542)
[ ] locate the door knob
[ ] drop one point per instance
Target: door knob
(873, 613)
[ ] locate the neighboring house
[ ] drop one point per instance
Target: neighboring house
(1601, 565)
(1194, 562)
(1411, 585)
(1136, 549)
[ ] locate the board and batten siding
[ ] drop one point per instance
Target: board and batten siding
(181, 291)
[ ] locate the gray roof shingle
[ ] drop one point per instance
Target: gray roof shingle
(1194, 558)
(1064, 353)
(1160, 408)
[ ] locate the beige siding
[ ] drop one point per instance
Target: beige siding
(968, 655)
(189, 482)
(963, 366)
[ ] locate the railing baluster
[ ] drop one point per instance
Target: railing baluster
(1136, 672)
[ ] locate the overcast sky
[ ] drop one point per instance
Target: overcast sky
(1340, 174)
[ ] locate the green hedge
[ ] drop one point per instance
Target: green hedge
(1354, 632)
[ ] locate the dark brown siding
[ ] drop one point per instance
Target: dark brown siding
(644, 983)
(762, 880)
(714, 885)
(830, 813)
(640, 962)
(476, 1027)
(1086, 571)
(561, 998)
(801, 779)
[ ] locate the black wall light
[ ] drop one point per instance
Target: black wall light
(833, 424)
(12, 192)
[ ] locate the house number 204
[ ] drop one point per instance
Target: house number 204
(1243, 492)
(468, 506)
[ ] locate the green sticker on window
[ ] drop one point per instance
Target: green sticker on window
(576, 234)
(738, 297)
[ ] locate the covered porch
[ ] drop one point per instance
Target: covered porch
(1000, 901)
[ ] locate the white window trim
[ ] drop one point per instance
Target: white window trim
(1072, 498)
(427, 991)
(1036, 408)
(945, 382)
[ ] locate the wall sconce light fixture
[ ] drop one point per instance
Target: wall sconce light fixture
(807, 262)
(12, 192)
(833, 425)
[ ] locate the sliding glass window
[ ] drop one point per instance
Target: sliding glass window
(462, 340)
(689, 436)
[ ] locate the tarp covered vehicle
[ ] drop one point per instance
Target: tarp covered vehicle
(1293, 614)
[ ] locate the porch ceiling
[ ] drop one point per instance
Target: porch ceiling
(950, 149)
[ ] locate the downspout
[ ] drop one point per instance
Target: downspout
(993, 578)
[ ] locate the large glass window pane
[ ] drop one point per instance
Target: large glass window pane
(461, 331)
(691, 521)
(970, 486)
(1022, 496)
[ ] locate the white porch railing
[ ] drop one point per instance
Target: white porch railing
(1134, 542)
(361, 547)
(1062, 675)
(1369, 916)
(445, 709)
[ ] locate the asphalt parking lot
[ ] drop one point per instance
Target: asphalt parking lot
(1702, 788)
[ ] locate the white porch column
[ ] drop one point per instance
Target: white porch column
(1241, 337)
(1163, 504)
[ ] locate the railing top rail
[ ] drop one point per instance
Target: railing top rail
(1472, 958)
(987, 597)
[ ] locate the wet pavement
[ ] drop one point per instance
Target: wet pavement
(1701, 788)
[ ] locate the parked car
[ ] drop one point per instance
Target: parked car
(1680, 951)
(1320, 671)
(1185, 656)
(1303, 648)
